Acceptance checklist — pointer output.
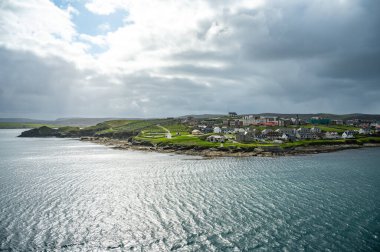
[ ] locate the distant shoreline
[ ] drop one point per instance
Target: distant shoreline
(215, 152)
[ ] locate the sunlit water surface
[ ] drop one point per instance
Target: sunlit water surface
(63, 194)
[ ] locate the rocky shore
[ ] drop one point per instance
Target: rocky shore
(271, 151)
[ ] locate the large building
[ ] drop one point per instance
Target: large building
(260, 120)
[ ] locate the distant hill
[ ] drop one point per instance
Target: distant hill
(23, 120)
(203, 116)
(84, 122)
(301, 116)
(79, 122)
(325, 115)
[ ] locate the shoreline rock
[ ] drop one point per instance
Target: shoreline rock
(225, 152)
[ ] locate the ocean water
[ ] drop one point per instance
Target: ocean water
(67, 195)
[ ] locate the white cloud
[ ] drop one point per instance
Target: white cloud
(42, 28)
(104, 7)
(194, 56)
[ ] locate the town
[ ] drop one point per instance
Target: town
(228, 133)
(251, 128)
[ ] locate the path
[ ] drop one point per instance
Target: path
(168, 134)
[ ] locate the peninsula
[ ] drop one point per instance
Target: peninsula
(227, 135)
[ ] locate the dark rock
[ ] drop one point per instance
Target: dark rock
(43, 131)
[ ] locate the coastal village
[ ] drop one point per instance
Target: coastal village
(230, 134)
(273, 129)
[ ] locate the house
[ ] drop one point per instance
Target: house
(216, 139)
(245, 136)
(331, 135)
(190, 121)
(249, 120)
(348, 134)
(337, 122)
(217, 130)
(226, 130)
(306, 135)
(288, 131)
(283, 122)
(350, 122)
(196, 132)
(236, 123)
(315, 130)
(365, 131)
(266, 131)
(273, 135)
(236, 130)
(304, 130)
(287, 137)
(209, 122)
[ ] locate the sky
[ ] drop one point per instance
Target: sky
(145, 58)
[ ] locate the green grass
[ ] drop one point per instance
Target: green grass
(360, 140)
(176, 127)
(180, 140)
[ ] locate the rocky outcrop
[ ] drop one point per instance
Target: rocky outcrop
(75, 132)
(43, 131)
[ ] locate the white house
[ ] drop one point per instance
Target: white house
(196, 132)
(216, 139)
(331, 135)
(217, 130)
(303, 130)
(348, 134)
(284, 137)
(239, 130)
(306, 135)
(315, 130)
(365, 131)
(288, 131)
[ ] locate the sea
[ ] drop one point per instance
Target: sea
(66, 195)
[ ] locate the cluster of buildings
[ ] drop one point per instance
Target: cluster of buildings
(246, 128)
(269, 121)
(291, 134)
(280, 135)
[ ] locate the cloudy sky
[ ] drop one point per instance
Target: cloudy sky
(148, 58)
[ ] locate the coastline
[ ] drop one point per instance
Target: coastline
(218, 152)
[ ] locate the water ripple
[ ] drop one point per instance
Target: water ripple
(60, 194)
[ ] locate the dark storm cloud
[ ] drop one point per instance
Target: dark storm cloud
(304, 53)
